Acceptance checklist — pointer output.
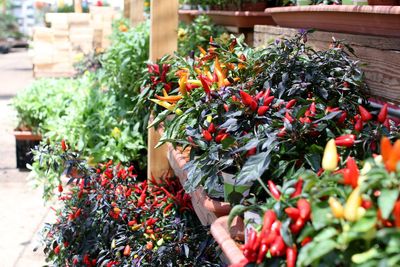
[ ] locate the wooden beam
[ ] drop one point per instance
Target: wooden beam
(127, 8)
(136, 12)
(163, 40)
(78, 6)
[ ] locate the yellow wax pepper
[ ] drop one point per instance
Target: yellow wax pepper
(182, 84)
(164, 104)
(194, 82)
(352, 211)
(202, 50)
(219, 72)
(336, 207)
(330, 158)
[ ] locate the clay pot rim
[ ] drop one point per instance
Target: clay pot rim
(380, 10)
(226, 13)
(27, 135)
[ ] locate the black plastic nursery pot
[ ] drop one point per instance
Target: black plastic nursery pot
(24, 142)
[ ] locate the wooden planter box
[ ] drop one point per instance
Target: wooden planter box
(370, 20)
(226, 238)
(25, 141)
(240, 19)
(206, 208)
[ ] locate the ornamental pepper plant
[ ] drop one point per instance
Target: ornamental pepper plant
(110, 218)
(339, 217)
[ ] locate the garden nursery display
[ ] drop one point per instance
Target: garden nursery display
(283, 139)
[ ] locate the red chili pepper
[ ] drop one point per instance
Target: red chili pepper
(276, 227)
(190, 86)
(128, 192)
(220, 137)
(298, 188)
(246, 98)
(252, 238)
(205, 85)
(142, 199)
(386, 123)
(396, 213)
(259, 95)
(342, 117)
(127, 250)
(151, 221)
(291, 256)
(345, 140)
(253, 105)
(207, 135)
(78, 213)
(269, 219)
(63, 145)
(365, 115)
(305, 241)
(274, 190)
(351, 173)
(60, 188)
(267, 93)
(358, 126)
(211, 128)
(226, 107)
(261, 253)
(293, 213)
(278, 247)
(291, 103)
(57, 249)
(282, 132)
(305, 208)
(288, 117)
(268, 100)
(256, 243)
(262, 110)
(383, 113)
(366, 204)
(251, 152)
(167, 208)
(296, 227)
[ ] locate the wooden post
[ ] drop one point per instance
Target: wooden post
(78, 6)
(163, 40)
(127, 8)
(137, 12)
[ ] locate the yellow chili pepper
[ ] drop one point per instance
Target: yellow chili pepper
(171, 99)
(164, 92)
(136, 227)
(330, 158)
(182, 84)
(209, 118)
(353, 203)
(164, 104)
(336, 207)
(195, 82)
(202, 50)
(218, 71)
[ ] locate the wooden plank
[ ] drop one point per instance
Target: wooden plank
(136, 12)
(127, 8)
(380, 56)
(163, 40)
(78, 6)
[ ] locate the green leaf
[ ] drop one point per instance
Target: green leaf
(254, 167)
(386, 201)
(320, 214)
(314, 160)
(314, 251)
(327, 233)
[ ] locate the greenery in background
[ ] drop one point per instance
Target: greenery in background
(198, 33)
(42, 100)
(9, 27)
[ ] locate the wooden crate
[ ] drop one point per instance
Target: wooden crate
(381, 56)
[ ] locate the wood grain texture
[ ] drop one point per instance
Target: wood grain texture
(381, 56)
(136, 12)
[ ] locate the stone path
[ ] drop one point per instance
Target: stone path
(22, 209)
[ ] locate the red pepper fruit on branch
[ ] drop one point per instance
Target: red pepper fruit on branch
(211, 128)
(346, 140)
(305, 208)
(262, 110)
(57, 249)
(259, 95)
(269, 219)
(305, 241)
(383, 113)
(261, 253)
(298, 188)
(396, 213)
(268, 100)
(253, 105)
(63, 145)
(60, 188)
(291, 103)
(274, 190)
(246, 98)
(207, 135)
(351, 173)
(358, 126)
(365, 115)
(278, 247)
(293, 213)
(291, 256)
(342, 117)
(205, 85)
(127, 250)
(288, 117)
(313, 109)
(296, 227)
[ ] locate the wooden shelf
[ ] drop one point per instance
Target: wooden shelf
(369, 20)
(240, 19)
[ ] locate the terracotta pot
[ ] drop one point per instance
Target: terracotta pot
(259, 6)
(382, 2)
(241, 19)
(369, 20)
(206, 208)
(27, 135)
(226, 237)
